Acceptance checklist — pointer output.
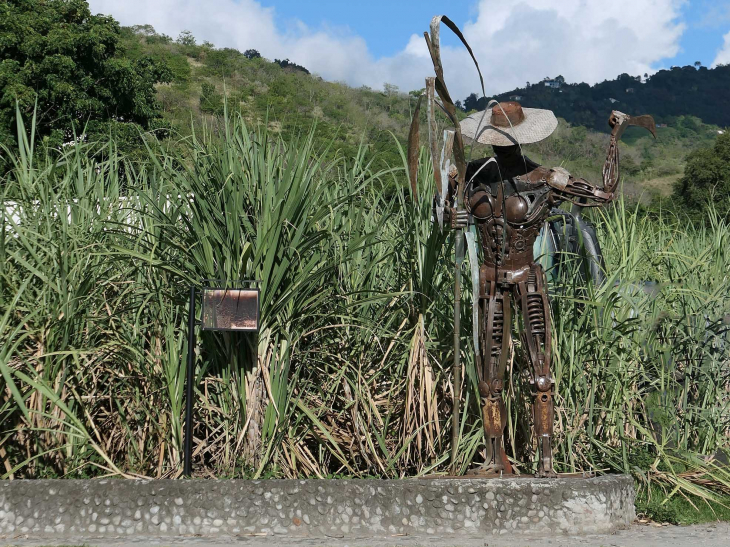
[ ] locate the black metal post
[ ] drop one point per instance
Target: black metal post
(188, 449)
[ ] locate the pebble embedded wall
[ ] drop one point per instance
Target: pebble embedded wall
(316, 508)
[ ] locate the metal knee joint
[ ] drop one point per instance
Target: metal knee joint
(491, 388)
(545, 383)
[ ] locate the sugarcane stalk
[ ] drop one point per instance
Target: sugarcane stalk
(434, 48)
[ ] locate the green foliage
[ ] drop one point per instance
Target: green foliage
(291, 100)
(186, 38)
(211, 102)
(144, 42)
(151, 36)
(286, 63)
(222, 62)
(680, 510)
(707, 178)
(279, 92)
(667, 94)
(57, 55)
(350, 374)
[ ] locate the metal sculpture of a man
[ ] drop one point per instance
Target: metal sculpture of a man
(508, 198)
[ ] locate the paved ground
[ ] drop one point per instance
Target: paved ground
(706, 535)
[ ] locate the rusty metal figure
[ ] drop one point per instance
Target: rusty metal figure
(508, 198)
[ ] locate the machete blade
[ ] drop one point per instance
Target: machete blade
(645, 121)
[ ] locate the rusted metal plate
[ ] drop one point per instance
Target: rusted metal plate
(494, 415)
(230, 309)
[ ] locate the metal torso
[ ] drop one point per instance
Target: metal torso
(509, 209)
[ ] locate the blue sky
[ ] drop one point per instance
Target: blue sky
(707, 21)
(516, 41)
(385, 35)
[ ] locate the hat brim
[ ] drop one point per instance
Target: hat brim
(537, 125)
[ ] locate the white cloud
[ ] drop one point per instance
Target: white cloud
(723, 56)
(223, 22)
(515, 42)
(587, 41)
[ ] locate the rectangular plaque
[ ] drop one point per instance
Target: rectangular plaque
(230, 309)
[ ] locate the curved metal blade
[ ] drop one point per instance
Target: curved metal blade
(645, 121)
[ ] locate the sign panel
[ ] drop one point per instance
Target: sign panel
(230, 309)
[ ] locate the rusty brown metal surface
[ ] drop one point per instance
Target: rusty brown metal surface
(645, 121)
(510, 201)
(509, 198)
(624, 120)
(432, 130)
(493, 416)
(507, 114)
(230, 309)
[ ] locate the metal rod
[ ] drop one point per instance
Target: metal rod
(188, 449)
(455, 418)
(459, 258)
(256, 281)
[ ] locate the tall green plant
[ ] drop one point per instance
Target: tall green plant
(350, 373)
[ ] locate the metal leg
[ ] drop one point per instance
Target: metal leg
(495, 318)
(537, 339)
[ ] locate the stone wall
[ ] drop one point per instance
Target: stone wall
(315, 508)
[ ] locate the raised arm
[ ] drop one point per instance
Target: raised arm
(582, 192)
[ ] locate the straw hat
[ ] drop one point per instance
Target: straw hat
(508, 123)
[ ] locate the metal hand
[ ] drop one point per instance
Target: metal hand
(459, 219)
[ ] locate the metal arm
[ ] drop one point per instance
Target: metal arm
(581, 192)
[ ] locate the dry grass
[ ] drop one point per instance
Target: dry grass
(661, 185)
(350, 374)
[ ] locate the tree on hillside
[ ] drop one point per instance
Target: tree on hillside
(150, 34)
(211, 102)
(706, 178)
(186, 38)
(56, 54)
(690, 90)
(287, 64)
(390, 89)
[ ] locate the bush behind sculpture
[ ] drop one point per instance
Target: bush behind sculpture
(350, 374)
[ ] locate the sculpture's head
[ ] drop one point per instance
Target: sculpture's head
(507, 124)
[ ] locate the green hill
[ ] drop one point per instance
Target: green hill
(666, 95)
(171, 87)
(289, 100)
(281, 94)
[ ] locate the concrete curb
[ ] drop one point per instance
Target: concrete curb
(315, 508)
